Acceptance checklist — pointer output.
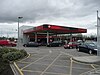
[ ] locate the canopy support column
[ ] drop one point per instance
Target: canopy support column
(35, 37)
(47, 38)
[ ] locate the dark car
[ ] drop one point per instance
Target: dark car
(31, 44)
(55, 44)
(71, 45)
(79, 42)
(88, 47)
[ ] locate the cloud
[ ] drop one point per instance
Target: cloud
(77, 13)
(34, 10)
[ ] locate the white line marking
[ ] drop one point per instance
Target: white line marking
(50, 64)
(33, 62)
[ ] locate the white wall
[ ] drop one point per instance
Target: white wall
(22, 37)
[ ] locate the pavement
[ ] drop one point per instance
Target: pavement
(88, 59)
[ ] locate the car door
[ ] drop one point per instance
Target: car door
(74, 44)
(84, 47)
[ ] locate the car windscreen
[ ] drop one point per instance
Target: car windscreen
(31, 42)
(95, 43)
(56, 42)
(70, 43)
(91, 44)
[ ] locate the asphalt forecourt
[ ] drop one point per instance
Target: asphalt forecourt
(53, 61)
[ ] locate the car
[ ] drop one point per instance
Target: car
(79, 42)
(88, 47)
(31, 44)
(71, 45)
(7, 43)
(13, 44)
(55, 44)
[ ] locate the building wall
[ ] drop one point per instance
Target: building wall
(23, 38)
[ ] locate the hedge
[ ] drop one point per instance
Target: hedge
(11, 54)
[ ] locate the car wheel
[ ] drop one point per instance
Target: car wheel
(70, 47)
(24, 45)
(90, 52)
(78, 49)
(65, 48)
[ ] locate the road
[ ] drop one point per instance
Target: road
(53, 61)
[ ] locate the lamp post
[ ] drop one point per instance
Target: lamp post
(98, 34)
(18, 31)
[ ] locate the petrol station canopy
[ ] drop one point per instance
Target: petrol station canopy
(54, 29)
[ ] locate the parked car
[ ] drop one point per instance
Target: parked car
(88, 47)
(55, 44)
(79, 42)
(7, 43)
(71, 45)
(31, 44)
(13, 44)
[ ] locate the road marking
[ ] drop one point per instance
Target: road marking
(34, 62)
(90, 70)
(54, 65)
(24, 62)
(62, 65)
(86, 72)
(93, 66)
(76, 62)
(66, 54)
(18, 69)
(96, 65)
(45, 72)
(13, 69)
(50, 64)
(81, 63)
(56, 73)
(25, 58)
(30, 71)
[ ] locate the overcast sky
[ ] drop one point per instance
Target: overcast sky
(73, 13)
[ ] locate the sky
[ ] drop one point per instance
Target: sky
(72, 13)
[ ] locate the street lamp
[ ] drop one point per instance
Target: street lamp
(18, 31)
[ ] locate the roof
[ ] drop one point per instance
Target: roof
(54, 29)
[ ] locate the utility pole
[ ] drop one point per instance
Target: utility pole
(18, 32)
(98, 35)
